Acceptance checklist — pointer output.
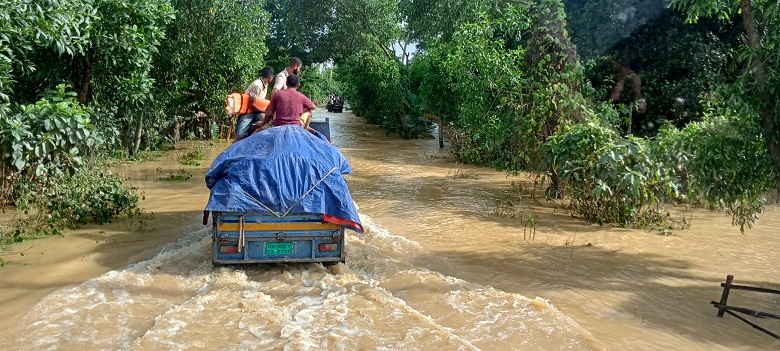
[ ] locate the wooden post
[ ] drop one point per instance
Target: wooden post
(725, 297)
(777, 196)
(441, 133)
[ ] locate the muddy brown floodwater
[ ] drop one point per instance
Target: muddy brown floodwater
(445, 266)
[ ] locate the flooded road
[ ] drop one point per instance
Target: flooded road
(449, 263)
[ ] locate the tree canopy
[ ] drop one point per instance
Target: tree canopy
(677, 101)
(683, 93)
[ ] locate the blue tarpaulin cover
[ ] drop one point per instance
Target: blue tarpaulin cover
(282, 170)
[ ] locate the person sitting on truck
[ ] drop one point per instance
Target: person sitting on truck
(289, 106)
(256, 91)
(281, 79)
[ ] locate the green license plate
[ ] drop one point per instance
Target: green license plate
(279, 248)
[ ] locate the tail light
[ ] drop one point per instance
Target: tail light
(328, 247)
(228, 249)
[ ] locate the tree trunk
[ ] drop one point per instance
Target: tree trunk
(759, 72)
(126, 137)
(404, 125)
(554, 190)
(774, 146)
(83, 89)
(138, 134)
(754, 41)
(5, 193)
(777, 194)
(441, 133)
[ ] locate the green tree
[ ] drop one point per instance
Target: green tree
(553, 90)
(487, 75)
(104, 48)
(753, 93)
(372, 84)
(298, 28)
(46, 171)
(511, 92)
(213, 47)
(319, 30)
(118, 66)
(50, 137)
(27, 27)
(427, 21)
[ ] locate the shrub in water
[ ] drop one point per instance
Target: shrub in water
(89, 195)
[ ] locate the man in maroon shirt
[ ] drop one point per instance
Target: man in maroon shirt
(288, 106)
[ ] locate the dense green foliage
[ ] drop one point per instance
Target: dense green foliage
(653, 106)
(527, 85)
(213, 47)
(102, 49)
(677, 63)
(93, 194)
(48, 138)
(46, 150)
(730, 167)
(478, 61)
(373, 86)
(608, 178)
(753, 91)
(627, 180)
(27, 26)
(80, 79)
(663, 111)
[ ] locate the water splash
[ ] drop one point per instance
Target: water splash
(378, 301)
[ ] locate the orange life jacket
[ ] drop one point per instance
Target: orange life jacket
(263, 103)
(238, 104)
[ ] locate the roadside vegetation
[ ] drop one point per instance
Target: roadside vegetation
(83, 83)
(623, 109)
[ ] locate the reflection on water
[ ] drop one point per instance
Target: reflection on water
(436, 271)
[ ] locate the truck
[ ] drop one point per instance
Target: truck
(262, 238)
(246, 229)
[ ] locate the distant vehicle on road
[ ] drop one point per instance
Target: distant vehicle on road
(335, 104)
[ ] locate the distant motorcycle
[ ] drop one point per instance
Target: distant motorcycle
(336, 105)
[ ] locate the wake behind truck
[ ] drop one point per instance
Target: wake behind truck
(280, 196)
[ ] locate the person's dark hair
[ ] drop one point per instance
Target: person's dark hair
(266, 72)
(293, 81)
(294, 62)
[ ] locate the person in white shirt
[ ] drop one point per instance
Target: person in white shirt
(256, 91)
(281, 79)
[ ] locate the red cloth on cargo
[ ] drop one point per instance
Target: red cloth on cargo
(341, 221)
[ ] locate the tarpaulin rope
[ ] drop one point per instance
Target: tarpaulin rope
(296, 201)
